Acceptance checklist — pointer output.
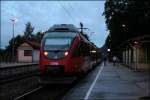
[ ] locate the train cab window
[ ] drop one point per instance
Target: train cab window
(57, 43)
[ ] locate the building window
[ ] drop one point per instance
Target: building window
(27, 52)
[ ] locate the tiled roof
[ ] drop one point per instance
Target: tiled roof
(33, 44)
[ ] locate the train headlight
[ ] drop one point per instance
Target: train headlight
(45, 53)
(66, 53)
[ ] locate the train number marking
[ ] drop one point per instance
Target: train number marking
(54, 63)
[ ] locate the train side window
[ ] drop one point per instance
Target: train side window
(81, 49)
(87, 50)
(76, 51)
(84, 49)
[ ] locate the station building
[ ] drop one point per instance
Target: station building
(136, 53)
(28, 51)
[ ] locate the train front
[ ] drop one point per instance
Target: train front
(55, 54)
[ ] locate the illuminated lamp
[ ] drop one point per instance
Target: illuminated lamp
(45, 53)
(66, 53)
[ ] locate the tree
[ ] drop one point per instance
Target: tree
(8, 51)
(28, 31)
(108, 41)
(38, 36)
(126, 19)
(17, 41)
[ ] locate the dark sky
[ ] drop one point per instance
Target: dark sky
(43, 14)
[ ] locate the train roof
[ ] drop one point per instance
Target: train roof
(56, 34)
(63, 28)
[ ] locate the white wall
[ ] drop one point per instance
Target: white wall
(139, 58)
(22, 58)
(36, 55)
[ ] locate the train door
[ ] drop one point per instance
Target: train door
(85, 53)
(76, 58)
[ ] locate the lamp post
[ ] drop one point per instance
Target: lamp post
(13, 31)
(124, 31)
(42, 34)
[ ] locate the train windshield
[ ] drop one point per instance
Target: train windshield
(57, 43)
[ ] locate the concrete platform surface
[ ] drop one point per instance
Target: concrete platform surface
(3, 65)
(111, 83)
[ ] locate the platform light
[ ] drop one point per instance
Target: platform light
(93, 51)
(135, 42)
(108, 50)
(123, 25)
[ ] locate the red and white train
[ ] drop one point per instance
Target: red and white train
(66, 52)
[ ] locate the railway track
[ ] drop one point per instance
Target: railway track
(29, 89)
(49, 92)
(46, 92)
(28, 93)
(18, 77)
(53, 91)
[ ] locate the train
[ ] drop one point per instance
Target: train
(65, 51)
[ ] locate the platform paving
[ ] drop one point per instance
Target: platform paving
(113, 83)
(13, 64)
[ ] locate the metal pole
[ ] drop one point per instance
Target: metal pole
(13, 40)
(13, 22)
(136, 59)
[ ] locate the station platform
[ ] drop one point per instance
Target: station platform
(111, 83)
(13, 64)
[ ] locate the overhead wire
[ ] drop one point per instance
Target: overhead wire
(68, 12)
(70, 5)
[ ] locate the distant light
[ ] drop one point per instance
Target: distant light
(123, 25)
(108, 50)
(135, 42)
(93, 51)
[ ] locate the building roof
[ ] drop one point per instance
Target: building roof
(33, 44)
(141, 40)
